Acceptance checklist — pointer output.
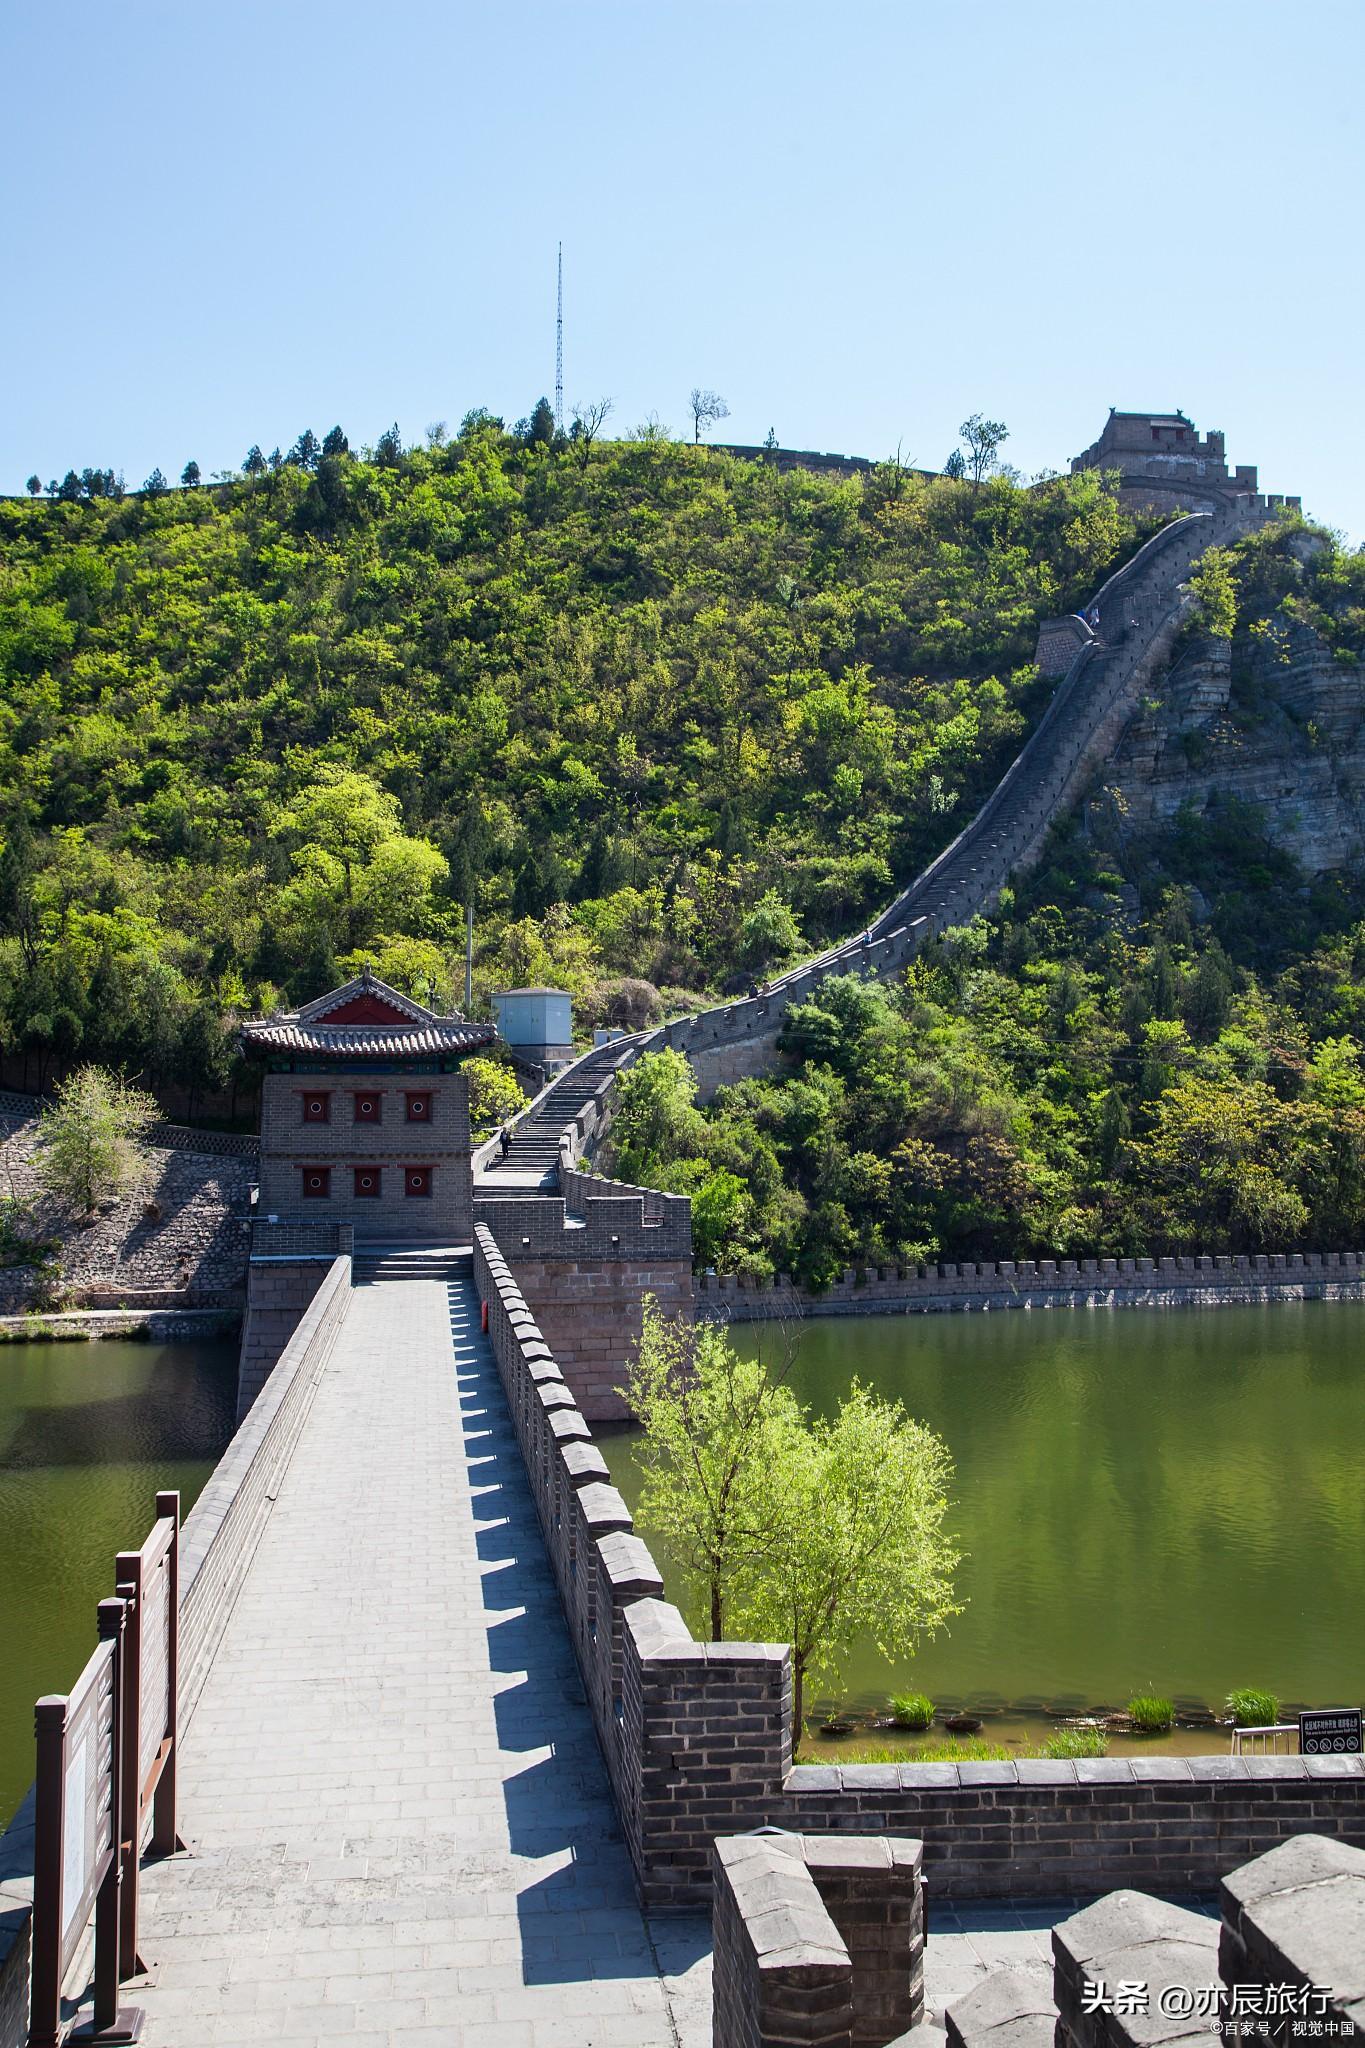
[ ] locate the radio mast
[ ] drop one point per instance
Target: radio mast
(559, 346)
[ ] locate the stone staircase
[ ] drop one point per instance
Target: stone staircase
(406, 1261)
(534, 1158)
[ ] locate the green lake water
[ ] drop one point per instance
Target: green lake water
(88, 1434)
(1158, 1501)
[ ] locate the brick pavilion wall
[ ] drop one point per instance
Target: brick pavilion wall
(288, 1145)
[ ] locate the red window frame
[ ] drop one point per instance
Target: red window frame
(367, 1106)
(417, 1182)
(375, 1176)
(317, 1183)
(417, 1105)
(315, 1106)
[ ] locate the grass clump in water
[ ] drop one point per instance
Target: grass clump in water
(912, 1710)
(1151, 1715)
(1252, 1708)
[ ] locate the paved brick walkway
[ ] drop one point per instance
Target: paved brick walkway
(401, 1829)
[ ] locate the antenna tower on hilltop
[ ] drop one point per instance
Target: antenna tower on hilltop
(559, 346)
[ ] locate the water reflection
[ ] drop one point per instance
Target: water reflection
(1156, 1501)
(88, 1433)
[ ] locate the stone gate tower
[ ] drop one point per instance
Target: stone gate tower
(365, 1115)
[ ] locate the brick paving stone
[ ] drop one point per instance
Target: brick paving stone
(400, 1826)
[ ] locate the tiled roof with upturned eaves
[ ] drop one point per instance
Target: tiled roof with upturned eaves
(416, 1031)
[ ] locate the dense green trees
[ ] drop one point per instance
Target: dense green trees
(1060, 1081)
(669, 716)
(1156, 1046)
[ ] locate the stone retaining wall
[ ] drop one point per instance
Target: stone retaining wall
(1042, 1283)
(217, 1544)
(696, 1735)
(180, 1234)
(161, 1325)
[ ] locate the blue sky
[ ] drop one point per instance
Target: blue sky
(859, 222)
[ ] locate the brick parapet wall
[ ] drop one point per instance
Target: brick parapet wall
(1040, 1828)
(781, 1973)
(1293, 1918)
(217, 1544)
(696, 1735)
(279, 1296)
(585, 1261)
(1042, 1283)
(1060, 640)
(1297, 1916)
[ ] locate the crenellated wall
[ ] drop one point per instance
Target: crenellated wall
(697, 1742)
(1042, 1283)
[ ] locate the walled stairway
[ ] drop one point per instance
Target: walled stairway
(534, 1158)
(1140, 609)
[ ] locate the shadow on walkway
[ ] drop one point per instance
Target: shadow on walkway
(580, 1919)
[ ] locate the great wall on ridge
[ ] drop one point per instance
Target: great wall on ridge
(565, 1228)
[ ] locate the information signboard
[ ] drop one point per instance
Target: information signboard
(87, 1745)
(1332, 1731)
(154, 1695)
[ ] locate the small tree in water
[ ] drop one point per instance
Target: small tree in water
(88, 1139)
(812, 1532)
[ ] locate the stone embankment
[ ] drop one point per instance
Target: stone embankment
(1041, 1283)
(1138, 614)
(178, 1240)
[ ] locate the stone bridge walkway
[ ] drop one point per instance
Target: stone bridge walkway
(400, 1826)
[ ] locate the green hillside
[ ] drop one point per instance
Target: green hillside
(1156, 1045)
(673, 716)
(676, 718)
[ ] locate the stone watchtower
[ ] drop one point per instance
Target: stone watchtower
(1164, 462)
(365, 1116)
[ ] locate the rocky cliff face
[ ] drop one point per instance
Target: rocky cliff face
(1274, 719)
